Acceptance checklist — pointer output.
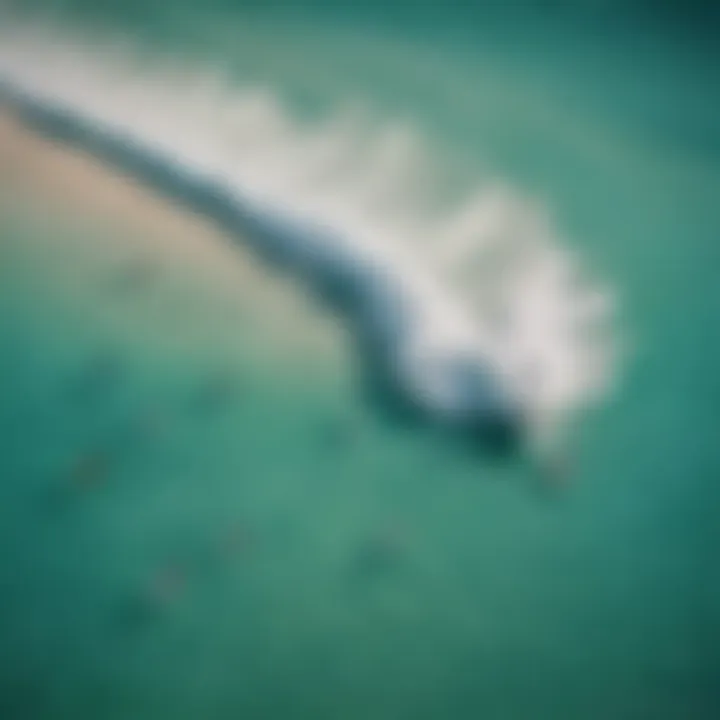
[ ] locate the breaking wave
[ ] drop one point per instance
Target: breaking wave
(490, 264)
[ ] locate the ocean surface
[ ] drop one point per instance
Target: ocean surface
(200, 516)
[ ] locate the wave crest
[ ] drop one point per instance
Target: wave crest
(379, 188)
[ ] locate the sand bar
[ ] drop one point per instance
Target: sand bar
(75, 189)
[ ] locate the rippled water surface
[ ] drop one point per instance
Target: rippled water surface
(199, 517)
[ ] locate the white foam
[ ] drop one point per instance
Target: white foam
(493, 261)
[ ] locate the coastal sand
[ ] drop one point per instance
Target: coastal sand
(74, 191)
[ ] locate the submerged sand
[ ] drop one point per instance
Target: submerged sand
(118, 219)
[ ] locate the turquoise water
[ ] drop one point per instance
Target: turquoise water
(286, 552)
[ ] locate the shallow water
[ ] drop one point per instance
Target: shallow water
(269, 546)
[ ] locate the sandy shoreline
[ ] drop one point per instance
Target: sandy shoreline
(74, 190)
(78, 189)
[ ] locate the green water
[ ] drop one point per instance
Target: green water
(494, 602)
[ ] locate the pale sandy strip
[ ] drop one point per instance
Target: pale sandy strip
(72, 188)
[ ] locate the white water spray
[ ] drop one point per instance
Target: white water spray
(486, 278)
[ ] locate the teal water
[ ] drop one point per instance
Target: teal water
(264, 520)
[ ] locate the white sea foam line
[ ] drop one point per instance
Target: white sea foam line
(556, 345)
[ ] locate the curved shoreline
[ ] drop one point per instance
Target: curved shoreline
(42, 177)
(420, 356)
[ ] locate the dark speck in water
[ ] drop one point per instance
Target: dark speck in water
(151, 602)
(90, 470)
(555, 476)
(336, 434)
(86, 474)
(382, 552)
(239, 540)
(136, 276)
(166, 585)
(217, 392)
(99, 375)
(151, 424)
